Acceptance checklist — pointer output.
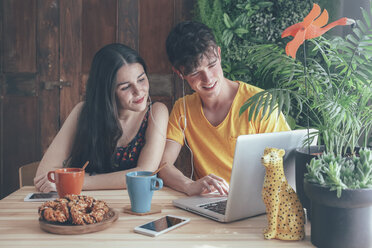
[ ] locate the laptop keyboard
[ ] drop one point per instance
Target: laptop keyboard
(218, 207)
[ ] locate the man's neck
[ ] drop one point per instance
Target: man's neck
(226, 95)
(216, 108)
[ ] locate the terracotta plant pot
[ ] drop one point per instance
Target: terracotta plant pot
(303, 157)
(340, 222)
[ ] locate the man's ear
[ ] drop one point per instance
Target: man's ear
(219, 52)
(177, 72)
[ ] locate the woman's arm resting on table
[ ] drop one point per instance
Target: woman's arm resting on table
(174, 178)
(58, 151)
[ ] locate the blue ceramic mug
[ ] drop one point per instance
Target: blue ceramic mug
(141, 186)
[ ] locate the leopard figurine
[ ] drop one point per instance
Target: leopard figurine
(285, 214)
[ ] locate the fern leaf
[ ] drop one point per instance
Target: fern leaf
(366, 18)
(259, 105)
(358, 33)
(266, 104)
(362, 26)
(362, 78)
(273, 102)
(351, 38)
(280, 101)
(365, 43)
(347, 49)
(369, 48)
(287, 104)
(252, 110)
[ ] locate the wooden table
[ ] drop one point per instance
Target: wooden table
(19, 226)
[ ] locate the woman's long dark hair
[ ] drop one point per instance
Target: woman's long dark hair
(98, 127)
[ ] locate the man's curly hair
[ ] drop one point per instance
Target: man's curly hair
(187, 43)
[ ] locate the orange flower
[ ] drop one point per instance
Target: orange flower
(310, 27)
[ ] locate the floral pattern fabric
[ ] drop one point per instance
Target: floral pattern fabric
(127, 157)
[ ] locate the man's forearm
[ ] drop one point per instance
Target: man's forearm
(173, 178)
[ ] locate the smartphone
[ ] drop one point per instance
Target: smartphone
(41, 197)
(161, 225)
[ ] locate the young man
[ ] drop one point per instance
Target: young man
(208, 120)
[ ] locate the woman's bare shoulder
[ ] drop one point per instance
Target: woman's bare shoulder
(77, 109)
(159, 108)
(159, 113)
(78, 106)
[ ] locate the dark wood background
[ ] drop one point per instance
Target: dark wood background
(46, 50)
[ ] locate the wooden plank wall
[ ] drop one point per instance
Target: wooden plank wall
(48, 64)
(19, 102)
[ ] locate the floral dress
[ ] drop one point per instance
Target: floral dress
(127, 157)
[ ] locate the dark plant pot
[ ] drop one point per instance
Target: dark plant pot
(340, 222)
(303, 157)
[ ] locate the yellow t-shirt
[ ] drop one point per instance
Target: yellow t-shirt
(213, 146)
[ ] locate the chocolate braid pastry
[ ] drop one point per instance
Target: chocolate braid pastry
(74, 209)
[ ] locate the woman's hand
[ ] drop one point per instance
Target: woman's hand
(208, 184)
(42, 184)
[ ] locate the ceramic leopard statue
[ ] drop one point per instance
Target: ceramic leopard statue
(285, 215)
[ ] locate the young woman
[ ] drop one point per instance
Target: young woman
(117, 128)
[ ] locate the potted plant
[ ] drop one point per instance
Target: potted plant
(328, 87)
(341, 198)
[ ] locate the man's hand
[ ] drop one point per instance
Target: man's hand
(42, 184)
(208, 184)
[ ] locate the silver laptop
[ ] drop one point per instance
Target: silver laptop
(247, 176)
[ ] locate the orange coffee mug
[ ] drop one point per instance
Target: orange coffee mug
(67, 180)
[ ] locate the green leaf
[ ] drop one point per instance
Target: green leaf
(241, 31)
(265, 4)
(369, 48)
(252, 109)
(366, 43)
(280, 101)
(368, 52)
(227, 67)
(259, 106)
(299, 104)
(358, 33)
(291, 122)
(366, 18)
(352, 39)
(273, 102)
(362, 26)
(241, 71)
(244, 107)
(362, 77)
(287, 104)
(227, 36)
(349, 45)
(346, 49)
(266, 104)
(227, 20)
